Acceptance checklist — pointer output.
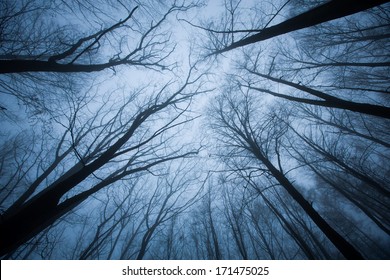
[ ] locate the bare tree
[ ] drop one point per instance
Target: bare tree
(205, 227)
(170, 199)
(323, 13)
(234, 212)
(255, 140)
(119, 210)
(135, 215)
(261, 205)
(319, 98)
(349, 163)
(121, 146)
(53, 50)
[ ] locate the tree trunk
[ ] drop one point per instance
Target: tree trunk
(339, 242)
(326, 12)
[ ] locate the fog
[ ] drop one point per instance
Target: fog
(194, 129)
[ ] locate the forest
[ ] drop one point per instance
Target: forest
(194, 129)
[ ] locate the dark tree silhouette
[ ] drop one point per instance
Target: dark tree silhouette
(23, 221)
(329, 11)
(149, 49)
(106, 160)
(233, 122)
(324, 99)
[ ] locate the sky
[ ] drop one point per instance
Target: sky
(110, 88)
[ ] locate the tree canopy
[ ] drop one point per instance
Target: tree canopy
(194, 129)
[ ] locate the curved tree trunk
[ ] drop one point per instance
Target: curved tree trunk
(346, 248)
